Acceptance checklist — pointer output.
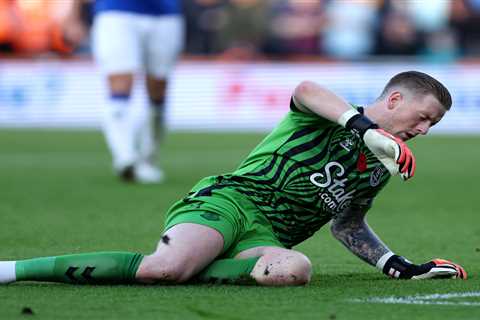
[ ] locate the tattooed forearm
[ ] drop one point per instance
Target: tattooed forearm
(352, 230)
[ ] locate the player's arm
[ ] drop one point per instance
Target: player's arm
(350, 228)
(310, 97)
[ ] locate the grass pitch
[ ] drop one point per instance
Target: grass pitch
(58, 196)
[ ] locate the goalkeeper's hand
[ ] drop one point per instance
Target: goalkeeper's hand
(400, 268)
(392, 152)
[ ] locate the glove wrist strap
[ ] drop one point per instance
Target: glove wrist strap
(359, 124)
(399, 267)
(347, 115)
(383, 260)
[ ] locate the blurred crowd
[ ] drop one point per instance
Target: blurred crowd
(440, 30)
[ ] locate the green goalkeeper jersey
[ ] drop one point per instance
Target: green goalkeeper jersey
(303, 173)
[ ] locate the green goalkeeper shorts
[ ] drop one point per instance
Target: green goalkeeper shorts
(230, 213)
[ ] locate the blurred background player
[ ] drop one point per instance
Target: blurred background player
(129, 37)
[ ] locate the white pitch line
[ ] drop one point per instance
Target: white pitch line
(450, 295)
(430, 299)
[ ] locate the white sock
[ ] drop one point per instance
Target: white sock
(7, 272)
(151, 133)
(118, 128)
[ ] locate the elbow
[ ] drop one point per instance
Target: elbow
(305, 94)
(305, 89)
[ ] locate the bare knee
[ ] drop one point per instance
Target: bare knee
(155, 269)
(287, 268)
(156, 88)
(184, 250)
(121, 83)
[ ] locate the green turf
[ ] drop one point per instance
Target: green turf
(57, 195)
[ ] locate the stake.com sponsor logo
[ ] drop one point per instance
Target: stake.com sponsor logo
(335, 197)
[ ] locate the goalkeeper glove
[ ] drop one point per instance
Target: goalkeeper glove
(400, 268)
(391, 151)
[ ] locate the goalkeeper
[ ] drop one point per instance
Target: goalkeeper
(326, 161)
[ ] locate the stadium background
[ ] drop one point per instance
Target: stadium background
(241, 61)
(243, 58)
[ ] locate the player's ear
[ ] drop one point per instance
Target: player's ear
(394, 99)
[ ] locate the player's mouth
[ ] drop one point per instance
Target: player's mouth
(406, 136)
(410, 135)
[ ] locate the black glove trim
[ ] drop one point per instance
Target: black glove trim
(398, 267)
(359, 124)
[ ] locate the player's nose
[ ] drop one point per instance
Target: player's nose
(423, 128)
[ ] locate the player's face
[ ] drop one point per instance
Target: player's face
(414, 115)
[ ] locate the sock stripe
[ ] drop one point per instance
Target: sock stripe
(133, 266)
(120, 96)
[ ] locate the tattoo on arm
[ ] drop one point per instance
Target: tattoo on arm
(350, 228)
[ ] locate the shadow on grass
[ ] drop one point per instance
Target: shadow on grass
(324, 279)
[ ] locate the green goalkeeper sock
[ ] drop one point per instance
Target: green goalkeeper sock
(92, 268)
(233, 271)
